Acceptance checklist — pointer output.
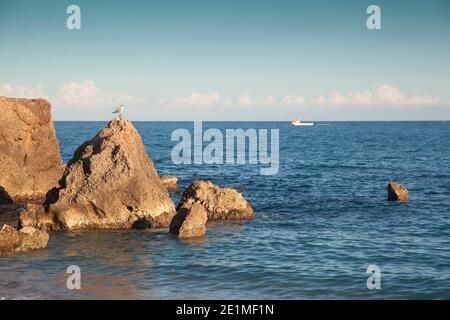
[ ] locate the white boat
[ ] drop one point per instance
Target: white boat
(298, 122)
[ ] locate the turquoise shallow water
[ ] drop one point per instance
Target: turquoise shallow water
(320, 222)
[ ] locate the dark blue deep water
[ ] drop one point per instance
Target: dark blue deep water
(321, 221)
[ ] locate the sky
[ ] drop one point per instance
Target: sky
(229, 59)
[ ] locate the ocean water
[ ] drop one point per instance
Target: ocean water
(321, 221)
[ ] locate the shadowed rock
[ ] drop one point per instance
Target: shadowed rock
(110, 183)
(26, 239)
(171, 183)
(30, 162)
(397, 192)
(189, 223)
(5, 199)
(219, 203)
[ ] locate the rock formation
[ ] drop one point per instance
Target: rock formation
(170, 182)
(13, 241)
(30, 162)
(110, 183)
(189, 223)
(397, 192)
(220, 203)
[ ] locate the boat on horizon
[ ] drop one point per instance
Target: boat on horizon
(298, 122)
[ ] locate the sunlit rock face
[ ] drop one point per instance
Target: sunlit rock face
(30, 161)
(219, 203)
(110, 183)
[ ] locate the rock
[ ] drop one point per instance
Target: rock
(171, 183)
(141, 224)
(5, 198)
(397, 192)
(30, 162)
(9, 214)
(26, 239)
(9, 240)
(189, 223)
(35, 215)
(219, 203)
(32, 239)
(110, 183)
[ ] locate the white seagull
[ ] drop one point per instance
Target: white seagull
(119, 110)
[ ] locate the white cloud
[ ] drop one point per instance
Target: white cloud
(378, 95)
(269, 101)
(87, 94)
(70, 94)
(247, 100)
(293, 100)
(210, 99)
(83, 94)
(320, 100)
(23, 91)
(195, 99)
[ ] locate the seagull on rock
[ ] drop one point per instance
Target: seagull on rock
(119, 110)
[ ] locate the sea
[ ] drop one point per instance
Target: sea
(322, 223)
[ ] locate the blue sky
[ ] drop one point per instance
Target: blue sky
(230, 60)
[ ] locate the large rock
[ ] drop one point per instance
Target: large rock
(26, 239)
(397, 192)
(30, 162)
(189, 223)
(220, 203)
(170, 182)
(110, 183)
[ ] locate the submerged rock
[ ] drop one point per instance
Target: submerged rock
(25, 239)
(189, 223)
(396, 192)
(110, 183)
(30, 162)
(171, 183)
(220, 203)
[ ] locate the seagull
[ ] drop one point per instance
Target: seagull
(119, 110)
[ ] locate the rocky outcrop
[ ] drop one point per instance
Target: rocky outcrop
(30, 162)
(110, 183)
(170, 182)
(396, 192)
(219, 203)
(26, 239)
(189, 223)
